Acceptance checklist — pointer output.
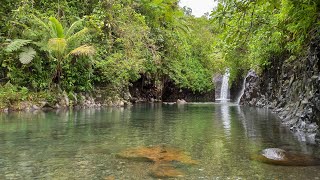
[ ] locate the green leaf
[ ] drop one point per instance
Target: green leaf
(57, 27)
(27, 55)
(78, 36)
(72, 28)
(17, 44)
(41, 23)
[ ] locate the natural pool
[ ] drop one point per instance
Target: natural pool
(83, 144)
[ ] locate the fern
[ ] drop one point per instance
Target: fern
(84, 50)
(27, 55)
(17, 44)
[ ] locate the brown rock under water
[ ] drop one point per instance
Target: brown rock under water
(157, 154)
(162, 157)
(160, 170)
(109, 178)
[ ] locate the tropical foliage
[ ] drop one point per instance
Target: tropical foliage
(254, 34)
(78, 45)
(110, 43)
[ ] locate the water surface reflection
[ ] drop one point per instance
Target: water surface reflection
(82, 144)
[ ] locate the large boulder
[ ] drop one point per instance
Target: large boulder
(251, 92)
(282, 157)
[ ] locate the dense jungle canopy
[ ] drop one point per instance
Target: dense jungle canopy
(79, 45)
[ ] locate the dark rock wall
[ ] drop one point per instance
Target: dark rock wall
(291, 89)
(171, 93)
(236, 87)
(145, 90)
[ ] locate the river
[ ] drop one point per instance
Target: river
(83, 144)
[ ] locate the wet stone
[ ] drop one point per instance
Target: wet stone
(277, 156)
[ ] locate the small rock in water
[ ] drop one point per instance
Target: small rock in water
(35, 107)
(181, 101)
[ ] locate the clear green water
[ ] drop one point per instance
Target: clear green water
(83, 144)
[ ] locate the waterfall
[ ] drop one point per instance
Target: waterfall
(243, 87)
(242, 91)
(225, 86)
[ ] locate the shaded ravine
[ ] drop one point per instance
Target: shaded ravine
(292, 90)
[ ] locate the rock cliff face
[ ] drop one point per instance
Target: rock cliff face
(292, 89)
(144, 90)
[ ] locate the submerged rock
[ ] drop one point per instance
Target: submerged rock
(163, 158)
(165, 170)
(109, 178)
(157, 154)
(278, 156)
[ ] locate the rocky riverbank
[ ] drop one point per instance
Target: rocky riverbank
(65, 100)
(291, 87)
(101, 97)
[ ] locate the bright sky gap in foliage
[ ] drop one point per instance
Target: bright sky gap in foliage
(199, 7)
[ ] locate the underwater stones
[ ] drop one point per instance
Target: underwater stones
(163, 158)
(276, 156)
(165, 170)
(157, 154)
(109, 178)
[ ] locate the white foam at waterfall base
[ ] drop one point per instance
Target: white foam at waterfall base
(225, 87)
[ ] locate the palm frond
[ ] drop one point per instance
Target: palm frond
(27, 55)
(57, 27)
(78, 36)
(73, 27)
(17, 44)
(57, 45)
(84, 50)
(41, 23)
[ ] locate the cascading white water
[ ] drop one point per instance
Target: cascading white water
(243, 87)
(242, 91)
(225, 86)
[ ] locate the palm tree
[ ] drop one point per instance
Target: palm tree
(60, 43)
